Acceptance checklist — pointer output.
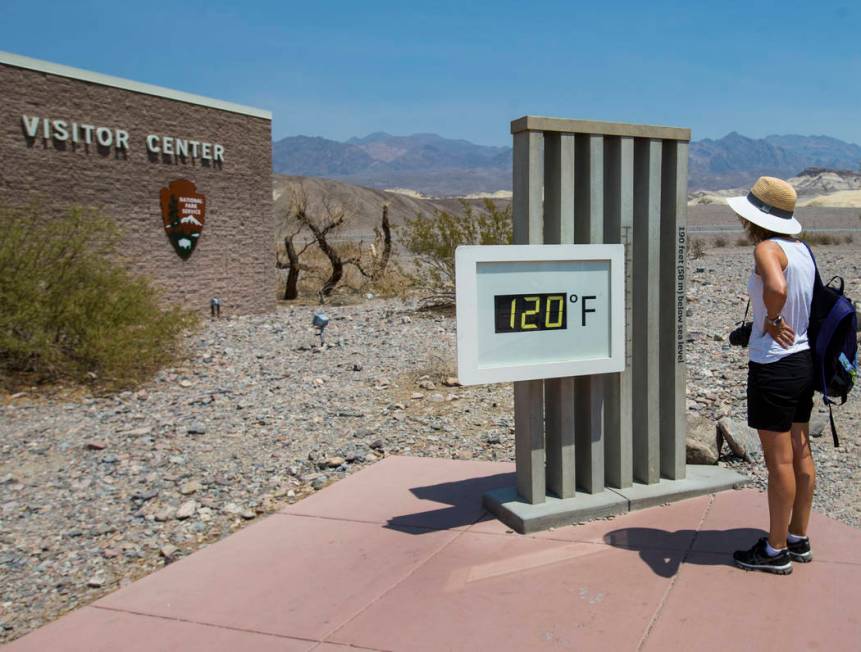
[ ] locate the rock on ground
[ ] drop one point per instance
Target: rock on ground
(700, 444)
(741, 439)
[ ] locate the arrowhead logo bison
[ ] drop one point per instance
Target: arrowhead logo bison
(183, 211)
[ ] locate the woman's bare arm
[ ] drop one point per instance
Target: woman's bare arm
(769, 264)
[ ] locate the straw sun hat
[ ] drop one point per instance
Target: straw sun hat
(769, 204)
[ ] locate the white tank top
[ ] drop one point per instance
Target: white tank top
(799, 273)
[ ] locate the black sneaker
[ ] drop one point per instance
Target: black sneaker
(757, 559)
(800, 550)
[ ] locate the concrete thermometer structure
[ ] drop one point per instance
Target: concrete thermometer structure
(598, 430)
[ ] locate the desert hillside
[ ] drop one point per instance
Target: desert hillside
(363, 206)
(815, 187)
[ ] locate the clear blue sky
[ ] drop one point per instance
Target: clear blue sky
(465, 69)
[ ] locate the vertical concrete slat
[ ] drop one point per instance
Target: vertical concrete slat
(559, 392)
(529, 440)
(589, 390)
(558, 188)
(559, 426)
(527, 213)
(527, 188)
(673, 425)
(646, 318)
(618, 227)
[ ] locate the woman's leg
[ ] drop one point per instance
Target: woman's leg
(777, 448)
(805, 478)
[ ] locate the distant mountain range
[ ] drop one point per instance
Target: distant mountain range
(441, 166)
(428, 163)
(736, 160)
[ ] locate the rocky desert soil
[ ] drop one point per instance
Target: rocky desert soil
(96, 492)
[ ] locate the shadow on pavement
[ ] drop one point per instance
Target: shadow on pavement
(463, 498)
(661, 549)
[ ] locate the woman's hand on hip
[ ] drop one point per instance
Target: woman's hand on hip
(782, 334)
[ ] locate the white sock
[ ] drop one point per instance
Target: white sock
(795, 538)
(772, 552)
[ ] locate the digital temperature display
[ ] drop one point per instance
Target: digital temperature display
(516, 313)
(526, 312)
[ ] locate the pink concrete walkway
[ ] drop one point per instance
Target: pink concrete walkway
(402, 557)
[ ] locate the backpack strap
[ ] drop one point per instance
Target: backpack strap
(837, 278)
(817, 288)
(817, 279)
(833, 427)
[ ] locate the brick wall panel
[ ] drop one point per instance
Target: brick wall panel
(234, 259)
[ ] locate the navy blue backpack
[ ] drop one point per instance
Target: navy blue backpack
(833, 336)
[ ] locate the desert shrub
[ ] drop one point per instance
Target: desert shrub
(394, 282)
(696, 248)
(818, 238)
(70, 310)
(720, 242)
(848, 239)
(432, 240)
(742, 242)
(438, 368)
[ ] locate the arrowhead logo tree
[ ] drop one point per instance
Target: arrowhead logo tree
(183, 211)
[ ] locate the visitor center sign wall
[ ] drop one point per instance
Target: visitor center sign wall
(186, 178)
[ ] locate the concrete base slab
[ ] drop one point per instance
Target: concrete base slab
(526, 518)
(700, 479)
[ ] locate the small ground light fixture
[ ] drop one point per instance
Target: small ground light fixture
(215, 306)
(320, 321)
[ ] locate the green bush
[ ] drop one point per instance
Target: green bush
(70, 310)
(432, 241)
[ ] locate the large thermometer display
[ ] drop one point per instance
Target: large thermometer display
(539, 311)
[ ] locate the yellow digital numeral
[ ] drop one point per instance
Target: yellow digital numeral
(528, 313)
(558, 322)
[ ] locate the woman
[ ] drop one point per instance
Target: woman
(780, 371)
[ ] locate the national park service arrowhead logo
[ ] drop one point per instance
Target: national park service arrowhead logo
(183, 211)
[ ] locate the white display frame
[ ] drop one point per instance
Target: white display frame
(468, 257)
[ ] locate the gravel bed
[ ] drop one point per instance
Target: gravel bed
(96, 492)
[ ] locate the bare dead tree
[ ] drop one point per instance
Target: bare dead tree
(291, 289)
(382, 244)
(293, 265)
(334, 219)
(323, 229)
(298, 203)
(384, 238)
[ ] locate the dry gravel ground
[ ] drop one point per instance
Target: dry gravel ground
(98, 491)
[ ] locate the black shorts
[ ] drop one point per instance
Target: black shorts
(780, 393)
